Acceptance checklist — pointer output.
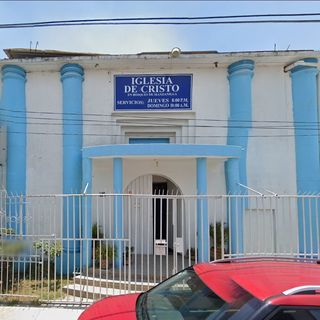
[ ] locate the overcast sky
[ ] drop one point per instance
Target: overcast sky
(134, 39)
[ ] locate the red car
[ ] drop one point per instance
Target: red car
(236, 289)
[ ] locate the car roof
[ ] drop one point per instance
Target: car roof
(262, 278)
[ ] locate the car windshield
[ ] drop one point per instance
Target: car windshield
(185, 296)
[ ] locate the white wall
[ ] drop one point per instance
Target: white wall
(44, 141)
(211, 102)
(271, 161)
(271, 158)
(97, 99)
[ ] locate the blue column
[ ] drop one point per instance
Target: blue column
(13, 104)
(202, 211)
(240, 119)
(235, 206)
(305, 115)
(72, 78)
(117, 213)
(239, 125)
(86, 218)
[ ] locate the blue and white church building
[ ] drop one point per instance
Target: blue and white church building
(196, 123)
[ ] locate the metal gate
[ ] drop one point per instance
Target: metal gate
(80, 248)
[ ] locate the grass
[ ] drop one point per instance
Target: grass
(34, 291)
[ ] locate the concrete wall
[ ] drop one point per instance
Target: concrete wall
(271, 161)
(44, 138)
(271, 155)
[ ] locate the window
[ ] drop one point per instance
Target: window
(297, 314)
(185, 297)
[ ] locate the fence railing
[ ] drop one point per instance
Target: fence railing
(80, 248)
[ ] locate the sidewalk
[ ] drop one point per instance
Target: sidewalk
(39, 313)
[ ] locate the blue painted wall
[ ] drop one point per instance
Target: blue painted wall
(13, 103)
(305, 115)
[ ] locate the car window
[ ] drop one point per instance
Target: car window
(185, 296)
(296, 314)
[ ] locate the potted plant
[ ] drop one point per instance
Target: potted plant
(104, 255)
(217, 242)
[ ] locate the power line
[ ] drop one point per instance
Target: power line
(179, 136)
(176, 18)
(199, 20)
(102, 123)
(139, 117)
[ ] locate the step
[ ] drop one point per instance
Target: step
(91, 292)
(116, 274)
(113, 284)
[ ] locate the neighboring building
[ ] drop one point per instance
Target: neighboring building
(182, 122)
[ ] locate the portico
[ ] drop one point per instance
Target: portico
(199, 153)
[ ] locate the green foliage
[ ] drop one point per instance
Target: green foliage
(216, 231)
(51, 249)
(96, 231)
(104, 252)
(6, 232)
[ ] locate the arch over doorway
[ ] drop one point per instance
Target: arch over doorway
(144, 185)
(153, 217)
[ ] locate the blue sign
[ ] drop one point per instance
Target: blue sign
(153, 92)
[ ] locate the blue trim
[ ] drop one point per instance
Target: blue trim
(14, 100)
(305, 110)
(202, 211)
(117, 210)
(148, 140)
(302, 67)
(72, 78)
(182, 150)
(241, 67)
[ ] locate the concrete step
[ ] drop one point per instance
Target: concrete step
(141, 275)
(97, 288)
(90, 292)
(113, 284)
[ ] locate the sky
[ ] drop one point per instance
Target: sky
(135, 39)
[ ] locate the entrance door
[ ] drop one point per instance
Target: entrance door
(160, 211)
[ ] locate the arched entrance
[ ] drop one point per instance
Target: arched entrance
(153, 217)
